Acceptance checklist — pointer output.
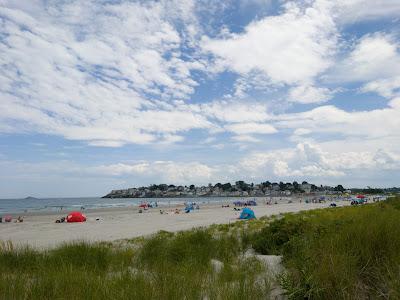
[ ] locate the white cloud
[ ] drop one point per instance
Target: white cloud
(234, 111)
(108, 73)
(310, 160)
(106, 143)
(245, 138)
(377, 123)
(309, 94)
(389, 87)
(302, 131)
(374, 57)
(164, 171)
(250, 128)
(289, 48)
(351, 11)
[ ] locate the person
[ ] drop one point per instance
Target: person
(61, 220)
(20, 219)
(177, 211)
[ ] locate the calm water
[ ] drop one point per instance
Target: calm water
(55, 204)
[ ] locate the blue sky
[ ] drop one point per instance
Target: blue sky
(97, 95)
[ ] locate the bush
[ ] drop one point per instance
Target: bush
(273, 239)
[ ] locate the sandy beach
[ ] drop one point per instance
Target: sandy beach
(41, 230)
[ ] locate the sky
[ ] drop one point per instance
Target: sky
(100, 94)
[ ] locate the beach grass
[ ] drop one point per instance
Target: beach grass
(185, 265)
(335, 253)
(338, 253)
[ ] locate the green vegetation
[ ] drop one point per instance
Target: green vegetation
(341, 253)
(165, 266)
(336, 253)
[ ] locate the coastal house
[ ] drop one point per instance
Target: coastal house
(306, 187)
(275, 187)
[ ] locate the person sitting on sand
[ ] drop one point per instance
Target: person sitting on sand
(61, 220)
(177, 211)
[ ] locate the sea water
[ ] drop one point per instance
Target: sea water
(60, 204)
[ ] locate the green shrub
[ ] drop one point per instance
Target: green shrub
(274, 237)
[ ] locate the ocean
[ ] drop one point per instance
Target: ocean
(55, 204)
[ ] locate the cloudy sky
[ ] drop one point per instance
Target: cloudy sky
(102, 94)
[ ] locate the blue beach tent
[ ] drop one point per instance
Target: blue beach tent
(189, 207)
(247, 214)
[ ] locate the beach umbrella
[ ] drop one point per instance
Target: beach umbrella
(76, 216)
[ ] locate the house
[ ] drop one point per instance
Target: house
(306, 187)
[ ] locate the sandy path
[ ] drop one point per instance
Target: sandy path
(41, 231)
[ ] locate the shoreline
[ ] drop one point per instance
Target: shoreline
(162, 202)
(41, 231)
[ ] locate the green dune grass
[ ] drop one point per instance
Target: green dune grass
(336, 253)
(165, 266)
(340, 253)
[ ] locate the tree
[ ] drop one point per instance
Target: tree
(295, 185)
(241, 185)
(218, 185)
(163, 187)
(339, 188)
(153, 187)
(227, 186)
(266, 184)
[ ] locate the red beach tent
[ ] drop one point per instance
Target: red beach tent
(76, 216)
